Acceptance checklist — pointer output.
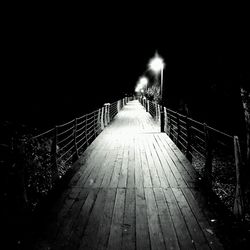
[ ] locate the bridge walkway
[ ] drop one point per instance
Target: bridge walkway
(134, 190)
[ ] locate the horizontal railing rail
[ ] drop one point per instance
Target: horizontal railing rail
(52, 153)
(212, 152)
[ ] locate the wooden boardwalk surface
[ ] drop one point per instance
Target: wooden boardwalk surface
(134, 190)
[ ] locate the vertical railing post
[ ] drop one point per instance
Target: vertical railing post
(162, 119)
(170, 128)
(159, 110)
(178, 129)
(108, 113)
(99, 119)
(75, 153)
(189, 140)
(208, 157)
(54, 154)
(238, 208)
(155, 111)
(102, 118)
(105, 115)
(95, 123)
(165, 120)
(118, 106)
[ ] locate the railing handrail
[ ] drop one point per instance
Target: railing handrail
(62, 144)
(201, 139)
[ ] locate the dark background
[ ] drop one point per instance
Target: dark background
(58, 64)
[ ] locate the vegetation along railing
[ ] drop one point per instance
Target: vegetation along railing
(214, 154)
(49, 155)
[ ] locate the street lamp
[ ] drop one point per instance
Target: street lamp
(156, 64)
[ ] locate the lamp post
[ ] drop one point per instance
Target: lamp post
(156, 64)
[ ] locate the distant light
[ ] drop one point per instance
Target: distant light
(156, 64)
(143, 81)
(142, 90)
(137, 89)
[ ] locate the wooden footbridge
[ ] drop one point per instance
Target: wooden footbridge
(134, 189)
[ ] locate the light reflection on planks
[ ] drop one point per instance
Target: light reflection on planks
(135, 190)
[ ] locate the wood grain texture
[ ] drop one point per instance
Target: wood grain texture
(134, 190)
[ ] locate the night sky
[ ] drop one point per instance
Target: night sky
(58, 65)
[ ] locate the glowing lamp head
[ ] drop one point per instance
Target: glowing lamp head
(156, 64)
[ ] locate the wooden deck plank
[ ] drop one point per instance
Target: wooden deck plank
(85, 159)
(161, 174)
(168, 230)
(101, 176)
(87, 175)
(117, 167)
(66, 226)
(62, 213)
(207, 228)
(53, 217)
(80, 224)
(109, 167)
(128, 227)
(142, 232)
(181, 229)
(139, 183)
(156, 237)
(122, 182)
(172, 162)
(105, 164)
(115, 237)
(165, 165)
(185, 164)
(151, 165)
(88, 240)
(133, 191)
(105, 224)
(144, 163)
(131, 169)
(196, 232)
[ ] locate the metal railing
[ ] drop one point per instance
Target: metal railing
(213, 153)
(52, 153)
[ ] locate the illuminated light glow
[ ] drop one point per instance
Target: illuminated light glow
(156, 64)
(143, 81)
(138, 89)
